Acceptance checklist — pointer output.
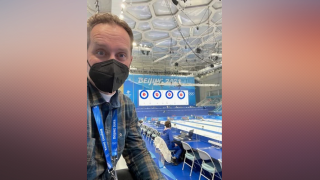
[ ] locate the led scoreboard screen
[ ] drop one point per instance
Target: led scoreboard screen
(163, 97)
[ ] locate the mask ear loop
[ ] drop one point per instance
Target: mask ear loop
(88, 63)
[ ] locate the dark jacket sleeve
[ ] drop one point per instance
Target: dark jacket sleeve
(136, 155)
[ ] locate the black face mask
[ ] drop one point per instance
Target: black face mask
(108, 75)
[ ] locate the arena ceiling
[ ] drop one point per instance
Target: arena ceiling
(171, 36)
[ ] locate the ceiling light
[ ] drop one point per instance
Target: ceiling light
(121, 16)
(216, 54)
(123, 6)
(134, 43)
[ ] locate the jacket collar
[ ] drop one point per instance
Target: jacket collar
(95, 98)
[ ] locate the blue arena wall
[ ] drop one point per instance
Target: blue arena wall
(136, 82)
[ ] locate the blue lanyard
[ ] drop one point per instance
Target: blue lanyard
(114, 135)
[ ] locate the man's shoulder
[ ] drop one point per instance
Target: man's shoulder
(126, 100)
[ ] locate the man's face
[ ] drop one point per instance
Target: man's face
(109, 42)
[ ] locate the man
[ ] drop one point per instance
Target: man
(109, 55)
(168, 138)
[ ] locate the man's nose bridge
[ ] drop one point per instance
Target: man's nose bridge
(112, 56)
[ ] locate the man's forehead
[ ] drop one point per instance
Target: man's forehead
(101, 31)
(112, 29)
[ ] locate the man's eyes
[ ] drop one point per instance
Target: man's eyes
(122, 55)
(101, 53)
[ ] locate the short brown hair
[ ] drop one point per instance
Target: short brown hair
(107, 18)
(167, 123)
